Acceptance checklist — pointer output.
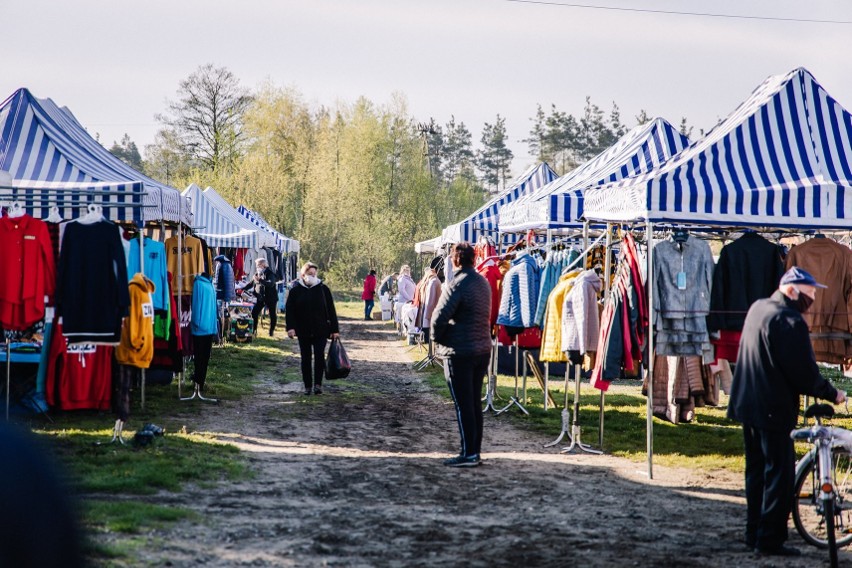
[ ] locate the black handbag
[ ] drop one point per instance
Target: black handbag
(337, 365)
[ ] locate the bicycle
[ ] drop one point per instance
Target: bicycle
(822, 509)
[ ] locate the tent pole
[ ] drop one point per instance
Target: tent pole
(179, 290)
(142, 270)
(649, 286)
(607, 272)
(547, 364)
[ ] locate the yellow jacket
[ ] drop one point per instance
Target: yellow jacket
(137, 330)
(551, 333)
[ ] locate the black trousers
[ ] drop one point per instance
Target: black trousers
(464, 377)
(271, 302)
(312, 351)
(123, 379)
(770, 469)
(202, 346)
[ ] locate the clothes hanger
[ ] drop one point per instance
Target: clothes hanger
(15, 210)
(55, 216)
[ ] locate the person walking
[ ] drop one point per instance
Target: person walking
(461, 329)
(369, 294)
(266, 292)
(775, 366)
(310, 316)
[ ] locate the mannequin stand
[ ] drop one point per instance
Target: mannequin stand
(116, 432)
(430, 360)
(575, 424)
(513, 400)
(196, 393)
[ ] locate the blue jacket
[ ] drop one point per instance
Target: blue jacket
(204, 320)
(519, 298)
(224, 279)
(154, 270)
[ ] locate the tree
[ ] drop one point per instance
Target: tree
(207, 118)
(127, 152)
(536, 142)
(685, 129)
(494, 159)
(165, 160)
(459, 156)
(642, 118)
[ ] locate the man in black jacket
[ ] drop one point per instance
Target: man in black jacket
(461, 328)
(776, 365)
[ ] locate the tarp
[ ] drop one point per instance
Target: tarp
(428, 247)
(485, 220)
(559, 204)
(284, 243)
(781, 159)
(219, 224)
(44, 147)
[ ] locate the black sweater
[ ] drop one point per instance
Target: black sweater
(92, 293)
(310, 311)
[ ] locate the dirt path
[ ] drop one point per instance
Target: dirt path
(358, 481)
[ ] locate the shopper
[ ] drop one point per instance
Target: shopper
(775, 366)
(461, 329)
(369, 294)
(310, 315)
(266, 292)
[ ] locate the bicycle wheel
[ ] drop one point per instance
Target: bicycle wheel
(809, 511)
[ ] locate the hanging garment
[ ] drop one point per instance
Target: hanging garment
(492, 274)
(136, 348)
(683, 274)
(79, 376)
(551, 343)
(519, 297)
(433, 294)
(748, 269)
(204, 319)
(580, 320)
(186, 325)
(29, 273)
(831, 313)
(168, 351)
(191, 262)
(239, 264)
(203, 347)
(124, 377)
(92, 295)
(224, 279)
(154, 269)
(550, 275)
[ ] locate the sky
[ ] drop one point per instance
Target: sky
(115, 65)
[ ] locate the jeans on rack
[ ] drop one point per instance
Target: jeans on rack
(203, 347)
(312, 351)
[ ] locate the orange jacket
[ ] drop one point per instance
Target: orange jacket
(137, 330)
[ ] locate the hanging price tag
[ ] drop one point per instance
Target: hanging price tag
(680, 280)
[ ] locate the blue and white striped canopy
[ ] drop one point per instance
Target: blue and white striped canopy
(48, 152)
(486, 219)
(219, 224)
(284, 243)
(559, 204)
(782, 159)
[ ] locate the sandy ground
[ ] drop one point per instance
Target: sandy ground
(358, 481)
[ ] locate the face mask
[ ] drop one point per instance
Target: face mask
(311, 280)
(803, 302)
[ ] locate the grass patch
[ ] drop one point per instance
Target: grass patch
(131, 517)
(710, 441)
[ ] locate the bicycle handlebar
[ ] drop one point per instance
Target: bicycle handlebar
(833, 433)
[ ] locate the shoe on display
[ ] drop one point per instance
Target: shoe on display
(463, 461)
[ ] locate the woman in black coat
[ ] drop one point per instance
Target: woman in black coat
(310, 316)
